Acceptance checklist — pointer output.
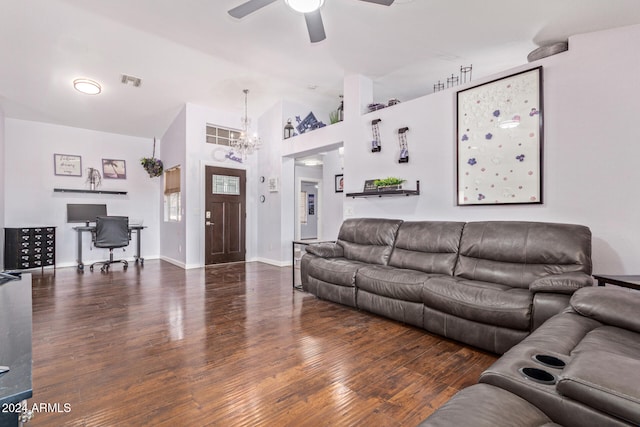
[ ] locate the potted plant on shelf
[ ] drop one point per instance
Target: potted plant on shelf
(390, 183)
(93, 178)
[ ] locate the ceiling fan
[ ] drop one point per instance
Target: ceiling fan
(310, 9)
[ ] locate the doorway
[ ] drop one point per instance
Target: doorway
(225, 215)
(309, 204)
(309, 210)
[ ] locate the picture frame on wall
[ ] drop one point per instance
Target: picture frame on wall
(67, 165)
(339, 183)
(499, 141)
(114, 169)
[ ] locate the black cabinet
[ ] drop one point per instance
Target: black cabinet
(29, 247)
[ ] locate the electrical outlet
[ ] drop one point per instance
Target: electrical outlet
(348, 211)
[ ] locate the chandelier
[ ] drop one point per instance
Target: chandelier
(246, 143)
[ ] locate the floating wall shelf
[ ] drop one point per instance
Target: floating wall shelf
(385, 193)
(75, 190)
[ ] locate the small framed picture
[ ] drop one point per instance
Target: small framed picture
(67, 165)
(339, 183)
(114, 169)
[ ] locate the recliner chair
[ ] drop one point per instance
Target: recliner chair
(111, 232)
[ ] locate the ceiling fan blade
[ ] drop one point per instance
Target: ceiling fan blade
(315, 26)
(382, 2)
(249, 7)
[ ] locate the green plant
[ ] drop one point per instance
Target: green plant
(152, 165)
(334, 117)
(388, 181)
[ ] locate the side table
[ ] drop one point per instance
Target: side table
(295, 261)
(626, 281)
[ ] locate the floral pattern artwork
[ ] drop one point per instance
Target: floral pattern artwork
(499, 141)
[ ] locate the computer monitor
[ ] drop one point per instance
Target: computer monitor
(85, 212)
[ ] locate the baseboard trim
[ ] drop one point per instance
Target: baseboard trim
(174, 262)
(273, 262)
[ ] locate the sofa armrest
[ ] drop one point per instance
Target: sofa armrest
(565, 283)
(610, 305)
(325, 250)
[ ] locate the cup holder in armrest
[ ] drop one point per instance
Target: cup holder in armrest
(538, 375)
(549, 361)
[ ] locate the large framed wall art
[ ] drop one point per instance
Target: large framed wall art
(500, 140)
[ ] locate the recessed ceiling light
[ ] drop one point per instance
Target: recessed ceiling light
(87, 86)
(305, 6)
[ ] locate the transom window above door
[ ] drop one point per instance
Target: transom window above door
(220, 135)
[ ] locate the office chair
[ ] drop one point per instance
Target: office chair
(111, 232)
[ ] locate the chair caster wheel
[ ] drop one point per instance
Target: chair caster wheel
(91, 268)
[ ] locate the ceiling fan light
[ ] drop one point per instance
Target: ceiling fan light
(87, 86)
(305, 6)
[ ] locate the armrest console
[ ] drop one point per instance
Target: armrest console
(565, 283)
(605, 381)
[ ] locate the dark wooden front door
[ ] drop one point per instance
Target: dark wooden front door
(225, 213)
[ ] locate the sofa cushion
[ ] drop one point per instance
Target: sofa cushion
(429, 246)
(482, 302)
(610, 305)
(485, 405)
(392, 282)
(605, 381)
(338, 271)
(368, 240)
(516, 253)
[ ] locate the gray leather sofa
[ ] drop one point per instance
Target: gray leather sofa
(488, 284)
(589, 374)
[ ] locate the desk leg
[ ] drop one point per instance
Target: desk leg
(137, 255)
(79, 260)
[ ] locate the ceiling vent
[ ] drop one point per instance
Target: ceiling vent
(134, 81)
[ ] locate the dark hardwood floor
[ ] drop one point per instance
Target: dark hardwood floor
(228, 345)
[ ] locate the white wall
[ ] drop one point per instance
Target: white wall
(332, 201)
(2, 189)
(173, 153)
(591, 151)
(29, 198)
(270, 223)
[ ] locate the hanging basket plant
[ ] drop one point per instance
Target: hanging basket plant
(152, 165)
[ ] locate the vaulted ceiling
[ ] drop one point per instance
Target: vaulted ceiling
(193, 51)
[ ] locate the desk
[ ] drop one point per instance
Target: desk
(15, 347)
(627, 281)
(89, 228)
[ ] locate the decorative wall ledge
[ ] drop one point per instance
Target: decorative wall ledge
(381, 193)
(75, 190)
